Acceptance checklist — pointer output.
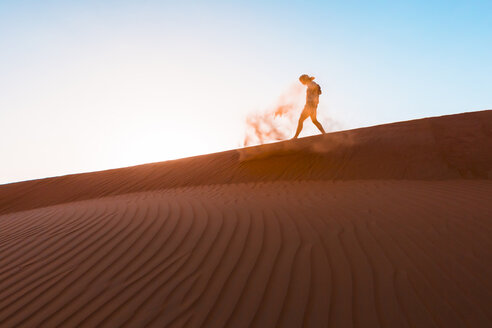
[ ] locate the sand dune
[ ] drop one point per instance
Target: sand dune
(388, 226)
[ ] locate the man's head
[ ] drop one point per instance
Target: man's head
(305, 79)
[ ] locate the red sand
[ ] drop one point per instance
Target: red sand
(388, 226)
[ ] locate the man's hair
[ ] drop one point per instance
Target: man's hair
(305, 78)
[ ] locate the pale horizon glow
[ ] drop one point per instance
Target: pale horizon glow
(106, 84)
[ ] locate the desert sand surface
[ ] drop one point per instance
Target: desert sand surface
(386, 226)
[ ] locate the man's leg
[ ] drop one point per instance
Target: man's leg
(318, 124)
(299, 125)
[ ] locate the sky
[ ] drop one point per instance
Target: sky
(93, 85)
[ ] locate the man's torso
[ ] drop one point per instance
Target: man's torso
(312, 93)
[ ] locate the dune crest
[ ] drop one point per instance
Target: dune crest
(437, 148)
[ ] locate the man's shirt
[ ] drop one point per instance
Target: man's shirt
(312, 93)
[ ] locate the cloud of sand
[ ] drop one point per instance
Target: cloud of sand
(277, 122)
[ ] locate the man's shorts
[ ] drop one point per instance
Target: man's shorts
(309, 110)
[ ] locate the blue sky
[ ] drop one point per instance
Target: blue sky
(93, 85)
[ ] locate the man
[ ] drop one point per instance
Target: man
(312, 99)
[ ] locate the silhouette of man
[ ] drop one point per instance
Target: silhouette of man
(312, 99)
